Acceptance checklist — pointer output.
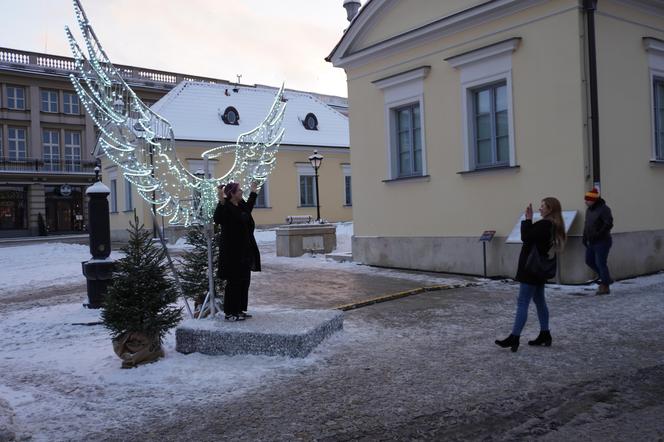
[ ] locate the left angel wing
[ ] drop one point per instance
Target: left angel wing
(133, 137)
(256, 150)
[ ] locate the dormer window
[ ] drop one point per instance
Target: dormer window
(231, 116)
(310, 122)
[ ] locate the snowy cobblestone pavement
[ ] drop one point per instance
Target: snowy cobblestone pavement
(422, 367)
(426, 368)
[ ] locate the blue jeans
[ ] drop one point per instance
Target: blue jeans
(526, 293)
(597, 255)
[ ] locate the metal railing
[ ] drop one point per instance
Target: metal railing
(46, 166)
(39, 62)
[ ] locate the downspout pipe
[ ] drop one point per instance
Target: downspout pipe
(589, 7)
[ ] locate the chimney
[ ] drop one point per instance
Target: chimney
(352, 6)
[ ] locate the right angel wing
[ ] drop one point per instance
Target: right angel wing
(136, 139)
(256, 150)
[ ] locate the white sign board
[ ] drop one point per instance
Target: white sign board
(515, 235)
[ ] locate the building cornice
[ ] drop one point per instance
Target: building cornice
(404, 77)
(653, 45)
(344, 57)
(496, 49)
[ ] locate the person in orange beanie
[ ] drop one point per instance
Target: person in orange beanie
(597, 238)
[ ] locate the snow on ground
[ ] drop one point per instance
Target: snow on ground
(64, 379)
(39, 265)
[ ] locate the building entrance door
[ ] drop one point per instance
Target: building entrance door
(64, 210)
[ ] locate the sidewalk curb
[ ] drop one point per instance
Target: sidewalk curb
(404, 294)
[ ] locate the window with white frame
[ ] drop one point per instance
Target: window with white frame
(16, 97)
(348, 190)
(72, 151)
(51, 149)
(658, 87)
(16, 143)
(306, 184)
(490, 128)
(408, 140)
(404, 120)
(486, 101)
(655, 49)
(262, 197)
(129, 204)
(49, 101)
(70, 103)
(114, 195)
(198, 166)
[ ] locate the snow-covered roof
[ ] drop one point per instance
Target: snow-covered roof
(194, 110)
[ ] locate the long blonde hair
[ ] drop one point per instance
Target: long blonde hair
(556, 217)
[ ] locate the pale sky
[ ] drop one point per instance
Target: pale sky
(267, 41)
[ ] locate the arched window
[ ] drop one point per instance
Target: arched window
(310, 122)
(231, 116)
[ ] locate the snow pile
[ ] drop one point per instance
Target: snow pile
(41, 265)
(265, 236)
(344, 237)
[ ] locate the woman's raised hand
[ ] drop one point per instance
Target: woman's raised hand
(220, 194)
(254, 186)
(529, 212)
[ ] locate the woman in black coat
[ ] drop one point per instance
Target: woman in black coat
(544, 234)
(238, 251)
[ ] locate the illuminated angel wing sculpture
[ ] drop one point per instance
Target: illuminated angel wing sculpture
(141, 143)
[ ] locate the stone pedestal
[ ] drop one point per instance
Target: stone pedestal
(298, 239)
(271, 332)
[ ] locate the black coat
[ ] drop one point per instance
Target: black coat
(599, 222)
(237, 245)
(540, 235)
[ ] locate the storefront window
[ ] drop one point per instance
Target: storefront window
(13, 204)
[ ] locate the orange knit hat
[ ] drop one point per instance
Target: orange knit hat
(592, 195)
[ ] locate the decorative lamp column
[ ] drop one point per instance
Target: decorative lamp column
(98, 270)
(316, 160)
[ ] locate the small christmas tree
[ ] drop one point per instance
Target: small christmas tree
(138, 306)
(194, 266)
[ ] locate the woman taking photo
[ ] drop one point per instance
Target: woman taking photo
(543, 235)
(238, 255)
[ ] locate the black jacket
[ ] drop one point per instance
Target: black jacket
(540, 235)
(599, 222)
(238, 250)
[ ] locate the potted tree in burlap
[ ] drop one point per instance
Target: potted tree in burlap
(138, 308)
(194, 267)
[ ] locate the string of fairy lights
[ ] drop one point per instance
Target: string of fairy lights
(142, 144)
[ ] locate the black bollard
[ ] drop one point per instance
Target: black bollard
(99, 270)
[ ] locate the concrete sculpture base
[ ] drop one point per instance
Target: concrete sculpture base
(272, 332)
(297, 239)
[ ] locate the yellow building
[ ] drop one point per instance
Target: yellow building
(468, 110)
(205, 115)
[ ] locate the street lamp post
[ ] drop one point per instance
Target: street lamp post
(316, 160)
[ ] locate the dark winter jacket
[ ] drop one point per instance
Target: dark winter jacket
(599, 222)
(237, 245)
(540, 235)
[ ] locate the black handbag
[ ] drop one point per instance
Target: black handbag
(540, 266)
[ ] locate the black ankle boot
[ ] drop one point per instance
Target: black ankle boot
(511, 341)
(544, 338)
